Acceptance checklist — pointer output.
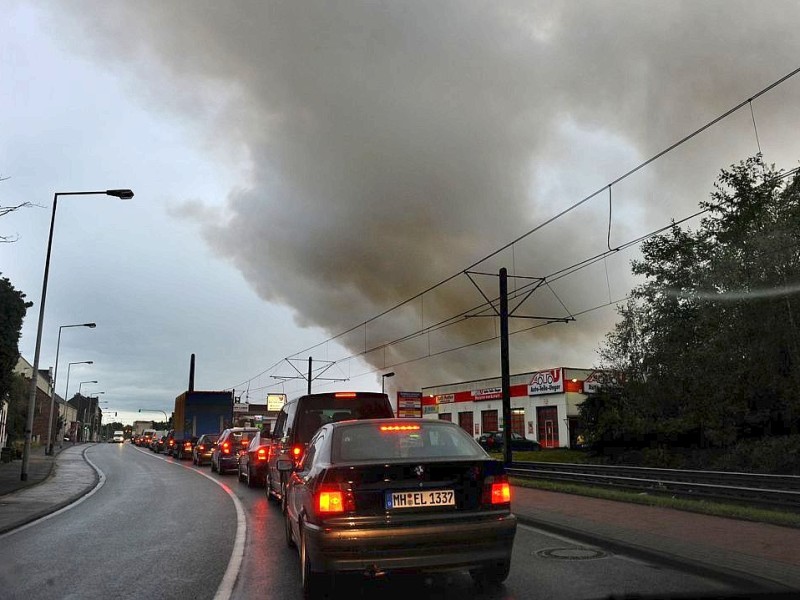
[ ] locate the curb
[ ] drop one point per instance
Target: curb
(53, 507)
(746, 582)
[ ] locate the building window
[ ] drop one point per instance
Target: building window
(488, 420)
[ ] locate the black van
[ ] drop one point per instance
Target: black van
(300, 418)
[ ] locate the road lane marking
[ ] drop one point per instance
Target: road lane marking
(100, 483)
(225, 589)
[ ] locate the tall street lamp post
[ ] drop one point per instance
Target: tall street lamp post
(26, 451)
(69, 367)
(383, 381)
(166, 418)
(49, 449)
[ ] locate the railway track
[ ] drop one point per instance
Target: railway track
(752, 489)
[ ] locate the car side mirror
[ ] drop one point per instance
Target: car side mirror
(285, 465)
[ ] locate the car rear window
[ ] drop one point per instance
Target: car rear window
(321, 410)
(402, 440)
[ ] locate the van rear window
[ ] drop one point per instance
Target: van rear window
(321, 410)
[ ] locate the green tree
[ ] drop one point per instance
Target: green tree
(12, 311)
(709, 341)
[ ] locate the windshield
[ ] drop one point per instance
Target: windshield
(574, 222)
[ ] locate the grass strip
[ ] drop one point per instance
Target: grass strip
(717, 509)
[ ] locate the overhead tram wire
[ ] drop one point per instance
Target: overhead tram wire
(550, 278)
(546, 280)
(558, 215)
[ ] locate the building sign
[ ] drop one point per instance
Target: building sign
(409, 405)
(241, 407)
(430, 409)
(600, 380)
(546, 382)
(445, 399)
(495, 393)
(275, 402)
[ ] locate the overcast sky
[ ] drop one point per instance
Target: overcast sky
(299, 167)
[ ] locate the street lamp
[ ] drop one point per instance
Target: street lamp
(80, 385)
(26, 451)
(49, 449)
(69, 368)
(383, 380)
(166, 418)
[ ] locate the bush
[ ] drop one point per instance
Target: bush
(775, 455)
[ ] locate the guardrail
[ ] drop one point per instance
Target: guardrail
(753, 489)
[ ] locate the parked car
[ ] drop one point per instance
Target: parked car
(182, 450)
(388, 494)
(493, 440)
(300, 418)
(253, 462)
(201, 453)
(231, 443)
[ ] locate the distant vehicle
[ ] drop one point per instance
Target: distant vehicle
(201, 453)
(231, 443)
(119, 436)
(493, 440)
(422, 496)
(146, 437)
(253, 462)
(183, 450)
(300, 418)
(199, 412)
(139, 427)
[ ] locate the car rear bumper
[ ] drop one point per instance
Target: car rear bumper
(461, 544)
(228, 463)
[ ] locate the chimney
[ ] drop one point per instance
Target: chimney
(191, 374)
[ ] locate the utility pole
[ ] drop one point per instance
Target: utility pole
(505, 374)
(309, 376)
(502, 311)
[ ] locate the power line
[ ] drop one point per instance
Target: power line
(567, 210)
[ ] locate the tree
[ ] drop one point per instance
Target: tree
(12, 311)
(709, 341)
(4, 210)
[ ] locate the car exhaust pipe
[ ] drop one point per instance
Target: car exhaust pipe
(374, 572)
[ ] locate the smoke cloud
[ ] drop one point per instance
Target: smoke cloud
(391, 144)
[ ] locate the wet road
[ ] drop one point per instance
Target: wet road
(163, 529)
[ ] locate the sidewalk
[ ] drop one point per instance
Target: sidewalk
(53, 482)
(750, 552)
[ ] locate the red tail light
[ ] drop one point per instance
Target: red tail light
(201, 447)
(399, 427)
(297, 452)
(345, 395)
(496, 490)
(187, 445)
(262, 454)
(226, 448)
(334, 499)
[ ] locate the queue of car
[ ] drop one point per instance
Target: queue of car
(363, 492)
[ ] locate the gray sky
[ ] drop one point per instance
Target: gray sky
(299, 167)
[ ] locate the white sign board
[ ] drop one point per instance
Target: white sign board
(546, 382)
(241, 407)
(275, 402)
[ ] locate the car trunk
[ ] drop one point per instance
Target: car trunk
(375, 485)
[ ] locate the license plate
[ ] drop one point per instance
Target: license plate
(420, 499)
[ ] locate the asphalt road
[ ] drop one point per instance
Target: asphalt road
(162, 529)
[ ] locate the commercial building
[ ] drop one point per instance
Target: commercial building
(544, 404)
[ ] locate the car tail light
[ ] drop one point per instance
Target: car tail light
(187, 446)
(332, 499)
(201, 447)
(262, 454)
(226, 448)
(297, 452)
(496, 490)
(345, 395)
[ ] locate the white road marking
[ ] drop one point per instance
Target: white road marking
(225, 589)
(63, 509)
